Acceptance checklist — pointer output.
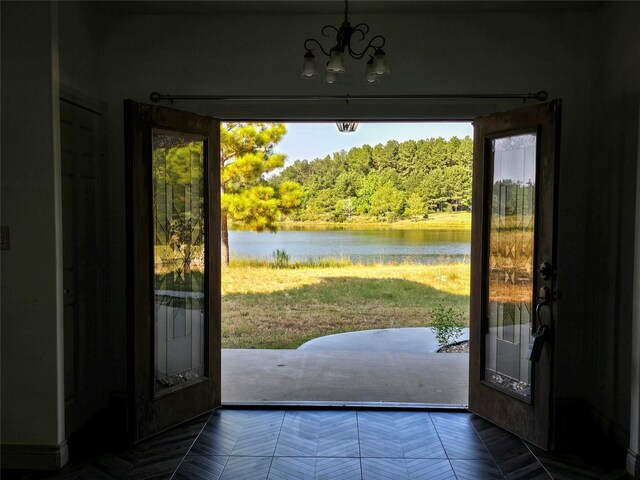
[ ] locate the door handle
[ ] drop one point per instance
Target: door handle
(537, 341)
(538, 338)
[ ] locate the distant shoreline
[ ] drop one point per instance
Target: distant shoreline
(436, 221)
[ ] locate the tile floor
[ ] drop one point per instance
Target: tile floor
(239, 444)
(335, 445)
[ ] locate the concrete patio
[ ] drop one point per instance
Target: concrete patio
(392, 365)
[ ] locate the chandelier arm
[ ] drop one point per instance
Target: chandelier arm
(330, 27)
(361, 54)
(363, 28)
(310, 49)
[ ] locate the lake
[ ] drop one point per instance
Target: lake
(364, 246)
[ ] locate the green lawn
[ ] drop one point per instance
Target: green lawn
(264, 307)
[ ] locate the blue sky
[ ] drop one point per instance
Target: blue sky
(306, 141)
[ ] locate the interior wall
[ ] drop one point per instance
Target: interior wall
(571, 54)
(611, 223)
(80, 42)
(32, 319)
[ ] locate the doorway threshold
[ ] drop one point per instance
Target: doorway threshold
(339, 378)
(334, 405)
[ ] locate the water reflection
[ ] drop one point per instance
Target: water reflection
(360, 245)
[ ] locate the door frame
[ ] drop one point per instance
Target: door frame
(466, 116)
(633, 452)
(84, 101)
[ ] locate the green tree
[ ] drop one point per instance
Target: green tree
(321, 205)
(458, 187)
(347, 184)
(416, 207)
(405, 159)
(435, 170)
(434, 186)
(246, 153)
(359, 159)
(366, 188)
(387, 201)
(344, 209)
(384, 156)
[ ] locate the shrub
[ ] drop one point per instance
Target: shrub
(280, 259)
(446, 323)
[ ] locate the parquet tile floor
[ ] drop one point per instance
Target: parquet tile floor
(240, 444)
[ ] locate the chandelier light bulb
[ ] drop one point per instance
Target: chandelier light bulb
(309, 68)
(370, 76)
(330, 77)
(380, 65)
(336, 62)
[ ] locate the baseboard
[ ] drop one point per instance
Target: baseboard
(34, 457)
(633, 464)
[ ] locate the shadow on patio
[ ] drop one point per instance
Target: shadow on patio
(390, 365)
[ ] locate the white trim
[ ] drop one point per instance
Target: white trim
(633, 464)
(35, 457)
(633, 459)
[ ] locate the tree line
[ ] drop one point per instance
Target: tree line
(391, 181)
(385, 182)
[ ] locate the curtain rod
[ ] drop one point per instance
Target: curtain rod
(155, 97)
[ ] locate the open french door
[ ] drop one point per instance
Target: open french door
(173, 266)
(513, 270)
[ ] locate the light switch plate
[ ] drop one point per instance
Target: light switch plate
(4, 237)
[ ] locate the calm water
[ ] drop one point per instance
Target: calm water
(367, 246)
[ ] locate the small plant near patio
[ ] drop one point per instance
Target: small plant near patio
(447, 323)
(280, 259)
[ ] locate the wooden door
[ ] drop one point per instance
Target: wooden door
(173, 266)
(513, 270)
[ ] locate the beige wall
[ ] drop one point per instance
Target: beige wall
(80, 34)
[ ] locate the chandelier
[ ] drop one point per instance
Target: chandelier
(346, 36)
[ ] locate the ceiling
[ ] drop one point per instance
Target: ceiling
(282, 7)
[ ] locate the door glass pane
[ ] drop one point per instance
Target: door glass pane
(509, 304)
(179, 259)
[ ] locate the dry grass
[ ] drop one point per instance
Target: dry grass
(283, 308)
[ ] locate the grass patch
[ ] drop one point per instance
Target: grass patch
(265, 307)
(325, 262)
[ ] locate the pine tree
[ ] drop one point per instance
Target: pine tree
(246, 153)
